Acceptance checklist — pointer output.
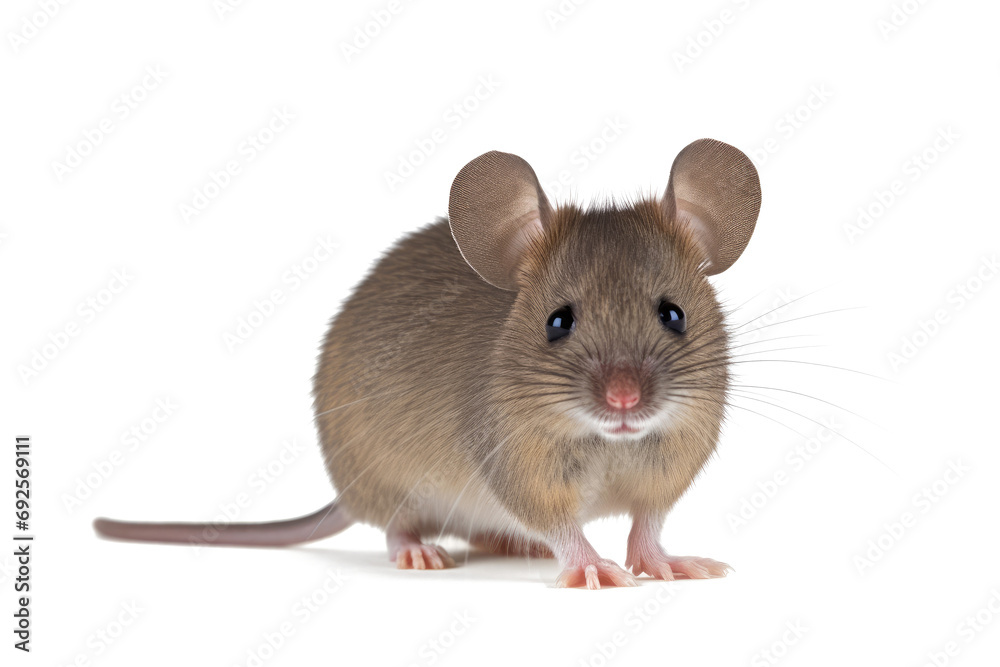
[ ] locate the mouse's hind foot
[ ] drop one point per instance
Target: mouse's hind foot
(410, 553)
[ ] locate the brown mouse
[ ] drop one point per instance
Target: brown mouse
(515, 371)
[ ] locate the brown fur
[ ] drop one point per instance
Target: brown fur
(433, 384)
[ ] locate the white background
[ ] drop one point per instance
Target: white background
(834, 103)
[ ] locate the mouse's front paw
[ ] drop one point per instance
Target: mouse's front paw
(594, 574)
(667, 567)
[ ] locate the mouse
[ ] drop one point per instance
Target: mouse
(515, 370)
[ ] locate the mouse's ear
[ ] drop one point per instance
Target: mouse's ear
(715, 190)
(497, 208)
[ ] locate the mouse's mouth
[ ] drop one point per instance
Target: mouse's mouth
(624, 427)
(631, 425)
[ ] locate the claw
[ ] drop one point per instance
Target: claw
(593, 575)
(423, 557)
(668, 568)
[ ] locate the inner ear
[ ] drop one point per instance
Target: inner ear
(714, 190)
(496, 211)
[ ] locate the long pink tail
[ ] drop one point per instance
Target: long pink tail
(322, 523)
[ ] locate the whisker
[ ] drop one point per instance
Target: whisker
(818, 423)
(784, 305)
(777, 349)
(815, 398)
(768, 340)
(701, 366)
(737, 308)
(742, 407)
(813, 363)
(364, 398)
(795, 319)
(479, 470)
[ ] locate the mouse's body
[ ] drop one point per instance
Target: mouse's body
(509, 374)
(406, 439)
(393, 411)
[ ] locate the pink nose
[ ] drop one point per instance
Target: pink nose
(622, 397)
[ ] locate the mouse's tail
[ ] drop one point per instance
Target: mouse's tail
(322, 523)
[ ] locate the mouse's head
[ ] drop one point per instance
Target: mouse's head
(615, 330)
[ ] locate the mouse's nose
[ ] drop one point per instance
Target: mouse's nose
(622, 395)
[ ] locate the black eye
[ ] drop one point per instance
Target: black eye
(560, 323)
(672, 317)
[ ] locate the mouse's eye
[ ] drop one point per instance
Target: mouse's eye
(560, 323)
(672, 317)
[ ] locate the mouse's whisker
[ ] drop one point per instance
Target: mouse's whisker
(682, 352)
(518, 373)
(556, 398)
(732, 311)
(363, 398)
(465, 488)
(768, 340)
(792, 319)
(818, 423)
(735, 360)
(729, 404)
(779, 307)
(406, 497)
(743, 395)
(813, 363)
(777, 349)
(737, 386)
(730, 357)
(543, 383)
